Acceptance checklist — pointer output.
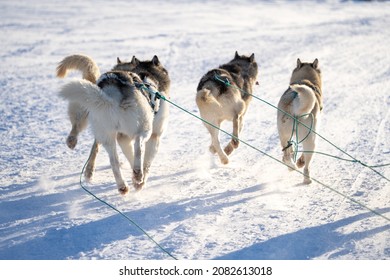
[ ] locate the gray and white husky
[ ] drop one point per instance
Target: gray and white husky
(302, 100)
(224, 94)
(151, 70)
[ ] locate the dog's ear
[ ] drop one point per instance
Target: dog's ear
(134, 60)
(118, 61)
(236, 55)
(155, 60)
(315, 64)
(252, 58)
(299, 63)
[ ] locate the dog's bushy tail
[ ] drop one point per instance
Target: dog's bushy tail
(87, 94)
(305, 100)
(204, 96)
(82, 63)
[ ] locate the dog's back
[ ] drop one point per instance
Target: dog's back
(104, 101)
(229, 82)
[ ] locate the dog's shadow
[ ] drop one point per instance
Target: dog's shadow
(311, 242)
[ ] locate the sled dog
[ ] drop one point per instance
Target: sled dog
(220, 101)
(119, 107)
(78, 115)
(155, 70)
(302, 100)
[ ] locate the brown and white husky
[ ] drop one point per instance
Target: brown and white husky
(227, 101)
(302, 100)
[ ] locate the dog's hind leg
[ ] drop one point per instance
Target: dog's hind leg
(127, 147)
(78, 118)
(215, 144)
(285, 127)
(233, 144)
(308, 145)
(139, 151)
(90, 169)
(151, 150)
(110, 147)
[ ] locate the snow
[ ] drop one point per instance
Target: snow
(194, 207)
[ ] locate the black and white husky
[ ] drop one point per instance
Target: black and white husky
(120, 106)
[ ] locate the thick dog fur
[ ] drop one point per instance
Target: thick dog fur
(115, 105)
(77, 114)
(218, 102)
(303, 99)
(153, 70)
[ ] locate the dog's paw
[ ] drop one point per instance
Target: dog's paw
(212, 149)
(88, 174)
(289, 163)
(307, 181)
(123, 189)
(224, 160)
(229, 149)
(138, 176)
(292, 168)
(71, 141)
(139, 186)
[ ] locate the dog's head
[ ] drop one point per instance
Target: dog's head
(153, 68)
(307, 71)
(247, 65)
(307, 66)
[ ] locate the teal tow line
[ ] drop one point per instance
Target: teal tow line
(121, 213)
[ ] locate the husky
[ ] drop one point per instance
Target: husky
(224, 94)
(152, 69)
(119, 107)
(303, 101)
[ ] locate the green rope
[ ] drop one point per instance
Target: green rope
(295, 129)
(270, 156)
(120, 212)
(344, 159)
(227, 83)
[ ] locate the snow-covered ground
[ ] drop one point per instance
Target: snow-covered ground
(194, 207)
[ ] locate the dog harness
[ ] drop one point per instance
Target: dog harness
(150, 94)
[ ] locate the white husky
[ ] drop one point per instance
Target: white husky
(119, 107)
(78, 115)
